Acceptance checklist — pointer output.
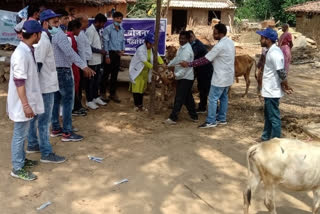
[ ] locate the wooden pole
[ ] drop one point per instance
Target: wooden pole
(155, 59)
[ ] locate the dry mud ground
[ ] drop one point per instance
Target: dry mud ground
(171, 169)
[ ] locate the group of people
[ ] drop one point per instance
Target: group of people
(57, 58)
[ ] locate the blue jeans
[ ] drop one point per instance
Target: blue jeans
(42, 122)
(65, 97)
(272, 124)
(20, 133)
(215, 94)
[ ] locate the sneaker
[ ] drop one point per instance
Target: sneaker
(68, 137)
(30, 163)
(23, 174)
(170, 122)
(207, 125)
(201, 111)
(52, 158)
(56, 133)
(105, 99)
(82, 109)
(92, 105)
(33, 150)
(222, 122)
(99, 101)
(115, 99)
(79, 113)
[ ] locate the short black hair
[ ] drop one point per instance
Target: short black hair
(74, 24)
(32, 9)
(26, 35)
(117, 15)
(100, 18)
(185, 33)
(221, 28)
(62, 12)
(190, 32)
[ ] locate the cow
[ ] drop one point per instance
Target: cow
(170, 54)
(287, 163)
(242, 67)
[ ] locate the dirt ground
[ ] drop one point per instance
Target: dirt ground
(171, 169)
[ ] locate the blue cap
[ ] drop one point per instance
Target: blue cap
(31, 26)
(150, 38)
(48, 14)
(269, 33)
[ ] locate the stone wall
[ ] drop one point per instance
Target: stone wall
(308, 26)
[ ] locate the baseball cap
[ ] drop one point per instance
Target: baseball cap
(268, 33)
(31, 26)
(150, 38)
(48, 14)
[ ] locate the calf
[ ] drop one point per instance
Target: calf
(287, 163)
(242, 67)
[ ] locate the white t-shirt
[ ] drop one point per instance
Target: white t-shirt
(271, 83)
(48, 76)
(23, 66)
(96, 42)
(222, 57)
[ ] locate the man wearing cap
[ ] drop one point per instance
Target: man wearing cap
(24, 97)
(274, 84)
(65, 56)
(140, 71)
(48, 79)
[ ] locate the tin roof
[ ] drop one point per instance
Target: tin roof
(209, 4)
(307, 7)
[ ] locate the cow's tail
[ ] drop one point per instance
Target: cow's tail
(255, 69)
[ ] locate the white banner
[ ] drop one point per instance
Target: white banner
(7, 23)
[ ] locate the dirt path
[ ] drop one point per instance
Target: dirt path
(171, 169)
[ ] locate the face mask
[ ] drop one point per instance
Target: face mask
(117, 24)
(53, 30)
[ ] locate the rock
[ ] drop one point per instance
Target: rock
(316, 65)
(312, 42)
(300, 42)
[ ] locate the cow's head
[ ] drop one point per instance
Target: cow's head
(171, 53)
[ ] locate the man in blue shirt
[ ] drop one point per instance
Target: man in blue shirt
(114, 45)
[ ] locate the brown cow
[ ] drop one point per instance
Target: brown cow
(242, 67)
(171, 53)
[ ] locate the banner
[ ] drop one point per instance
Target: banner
(7, 23)
(137, 28)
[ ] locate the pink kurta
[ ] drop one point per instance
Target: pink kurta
(284, 44)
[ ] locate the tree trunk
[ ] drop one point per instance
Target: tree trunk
(155, 59)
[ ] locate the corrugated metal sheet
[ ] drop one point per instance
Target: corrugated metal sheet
(210, 4)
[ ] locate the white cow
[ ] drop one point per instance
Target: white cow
(290, 164)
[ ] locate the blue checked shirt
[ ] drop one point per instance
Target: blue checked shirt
(113, 40)
(63, 53)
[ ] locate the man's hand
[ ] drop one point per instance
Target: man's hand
(184, 64)
(88, 72)
(108, 61)
(285, 87)
(28, 111)
(103, 52)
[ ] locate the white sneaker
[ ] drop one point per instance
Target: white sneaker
(99, 101)
(169, 122)
(92, 105)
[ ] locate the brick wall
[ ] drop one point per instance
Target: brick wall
(309, 26)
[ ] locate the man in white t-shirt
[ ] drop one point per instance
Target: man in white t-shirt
(222, 56)
(24, 97)
(274, 84)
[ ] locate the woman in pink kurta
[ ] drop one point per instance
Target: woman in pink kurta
(285, 44)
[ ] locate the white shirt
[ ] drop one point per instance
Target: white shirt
(84, 48)
(222, 56)
(96, 42)
(23, 66)
(185, 53)
(48, 76)
(271, 83)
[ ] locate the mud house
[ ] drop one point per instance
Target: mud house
(308, 19)
(89, 7)
(185, 13)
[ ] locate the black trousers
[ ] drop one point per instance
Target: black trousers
(110, 70)
(204, 84)
(138, 99)
(78, 96)
(184, 97)
(92, 84)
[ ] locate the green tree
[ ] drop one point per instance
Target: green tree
(142, 9)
